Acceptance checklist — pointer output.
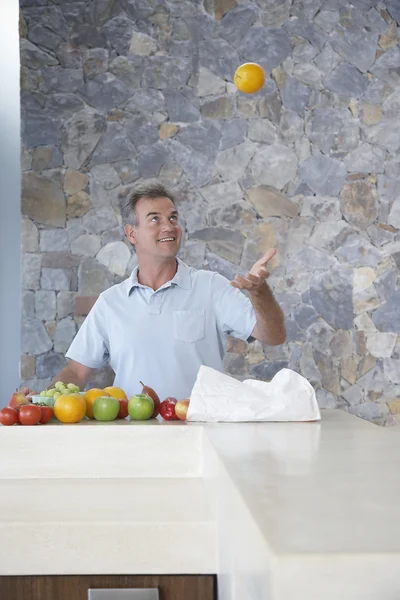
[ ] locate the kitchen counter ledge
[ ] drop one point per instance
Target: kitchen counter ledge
(280, 511)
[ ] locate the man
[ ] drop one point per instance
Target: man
(164, 321)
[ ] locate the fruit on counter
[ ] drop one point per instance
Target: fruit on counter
(148, 390)
(115, 392)
(167, 409)
(70, 408)
(123, 409)
(105, 408)
(181, 408)
(89, 397)
(18, 399)
(8, 416)
(30, 414)
(47, 413)
(141, 407)
(59, 389)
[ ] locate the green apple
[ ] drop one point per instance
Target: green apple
(105, 408)
(140, 407)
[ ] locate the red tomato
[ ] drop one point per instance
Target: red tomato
(8, 416)
(167, 409)
(123, 409)
(30, 414)
(47, 414)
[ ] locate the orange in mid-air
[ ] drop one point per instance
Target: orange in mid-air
(249, 78)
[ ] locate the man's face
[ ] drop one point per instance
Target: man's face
(157, 233)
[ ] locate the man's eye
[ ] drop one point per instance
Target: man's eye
(174, 218)
(154, 218)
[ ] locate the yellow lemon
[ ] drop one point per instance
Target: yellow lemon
(249, 78)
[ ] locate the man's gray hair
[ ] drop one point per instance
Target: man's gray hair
(150, 189)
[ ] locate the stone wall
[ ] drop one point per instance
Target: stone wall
(116, 91)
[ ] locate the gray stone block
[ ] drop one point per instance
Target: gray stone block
(45, 305)
(55, 279)
(60, 80)
(332, 297)
(49, 364)
(267, 370)
(64, 334)
(118, 32)
(151, 160)
(34, 337)
(164, 72)
(219, 56)
(31, 271)
(237, 22)
(113, 146)
(179, 108)
(54, 240)
(323, 175)
(201, 137)
(105, 91)
(295, 95)
(387, 316)
(65, 304)
(33, 57)
(274, 165)
(80, 136)
(93, 278)
(267, 47)
(346, 80)
(356, 45)
(27, 304)
(198, 168)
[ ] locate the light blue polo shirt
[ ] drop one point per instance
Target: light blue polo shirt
(163, 337)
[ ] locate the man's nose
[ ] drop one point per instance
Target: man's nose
(167, 225)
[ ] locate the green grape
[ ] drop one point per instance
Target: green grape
(73, 388)
(43, 393)
(59, 384)
(50, 393)
(56, 395)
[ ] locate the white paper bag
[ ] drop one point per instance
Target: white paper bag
(219, 397)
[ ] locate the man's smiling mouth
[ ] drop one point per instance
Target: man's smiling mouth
(167, 239)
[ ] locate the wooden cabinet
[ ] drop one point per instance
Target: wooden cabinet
(75, 587)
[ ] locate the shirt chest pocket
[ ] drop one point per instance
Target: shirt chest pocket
(189, 325)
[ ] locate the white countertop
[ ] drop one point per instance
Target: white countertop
(325, 487)
(282, 511)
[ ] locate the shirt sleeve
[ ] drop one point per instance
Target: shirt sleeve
(234, 312)
(90, 347)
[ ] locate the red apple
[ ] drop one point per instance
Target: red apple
(181, 409)
(167, 409)
(123, 409)
(17, 399)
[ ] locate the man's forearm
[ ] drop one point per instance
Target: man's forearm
(270, 327)
(69, 375)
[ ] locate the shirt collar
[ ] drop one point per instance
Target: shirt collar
(181, 278)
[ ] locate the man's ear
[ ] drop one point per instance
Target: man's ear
(130, 233)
